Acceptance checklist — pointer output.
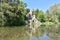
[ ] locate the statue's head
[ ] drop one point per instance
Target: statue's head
(30, 12)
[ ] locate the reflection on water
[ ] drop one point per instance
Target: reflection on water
(51, 32)
(44, 37)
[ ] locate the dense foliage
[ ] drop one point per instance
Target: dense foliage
(51, 15)
(13, 14)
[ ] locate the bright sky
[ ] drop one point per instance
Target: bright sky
(40, 4)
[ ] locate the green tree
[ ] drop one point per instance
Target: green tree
(41, 16)
(59, 17)
(13, 13)
(55, 11)
(48, 17)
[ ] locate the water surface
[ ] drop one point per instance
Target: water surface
(50, 32)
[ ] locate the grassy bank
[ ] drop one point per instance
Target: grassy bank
(51, 23)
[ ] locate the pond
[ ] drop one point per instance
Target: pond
(49, 32)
